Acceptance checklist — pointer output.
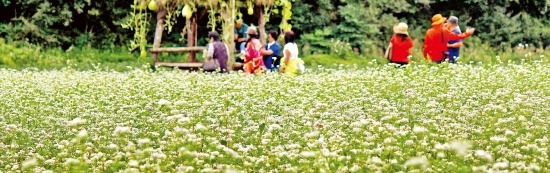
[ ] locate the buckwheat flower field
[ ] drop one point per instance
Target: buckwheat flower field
(449, 118)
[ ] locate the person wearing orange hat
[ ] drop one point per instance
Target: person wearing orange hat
(437, 37)
(400, 45)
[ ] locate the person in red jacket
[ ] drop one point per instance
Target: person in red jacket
(401, 45)
(437, 37)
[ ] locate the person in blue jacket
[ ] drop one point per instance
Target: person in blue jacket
(272, 51)
(454, 45)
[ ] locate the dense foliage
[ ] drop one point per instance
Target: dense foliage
(364, 24)
(65, 23)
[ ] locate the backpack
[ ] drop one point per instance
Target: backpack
(301, 66)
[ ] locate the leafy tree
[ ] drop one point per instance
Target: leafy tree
(64, 23)
(364, 24)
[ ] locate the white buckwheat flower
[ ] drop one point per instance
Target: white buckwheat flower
(164, 102)
(500, 165)
(484, 155)
(121, 130)
(82, 134)
(29, 164)
(307, 154)
(76, 122)
(419, 129)
(417, 161)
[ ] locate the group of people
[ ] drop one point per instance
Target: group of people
(442, 41)
(256, 57)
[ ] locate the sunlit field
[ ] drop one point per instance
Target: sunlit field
(424, 118)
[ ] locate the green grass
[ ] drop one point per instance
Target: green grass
(19, 55)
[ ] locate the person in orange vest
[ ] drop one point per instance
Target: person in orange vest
(437, 37)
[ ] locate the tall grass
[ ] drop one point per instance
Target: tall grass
(20, 55)
(474, 51)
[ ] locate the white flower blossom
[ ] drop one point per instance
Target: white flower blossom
(143, 141)
(121, 130)
(419, 129)
(307, 154)
(534, 167)
(82, 134)
(440, 154)
(199, 127)
(133, 163)
(29, 164)
(484, 155)
(312, 134)
(500, 165)
(113, 146)
(163, 102)
(75, 122)
(70, 161)
(417, 161)
(460, 147)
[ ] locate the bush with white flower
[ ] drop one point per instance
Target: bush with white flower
(424, 118)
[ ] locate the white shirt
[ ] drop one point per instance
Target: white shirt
(270, 44)
(293, 49)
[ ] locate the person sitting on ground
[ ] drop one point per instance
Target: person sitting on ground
(400, 45)
(437, 37)
(454, 45)
(272, 50)
(291, 64)
(217, 51)
(240, 35)
(253, 63)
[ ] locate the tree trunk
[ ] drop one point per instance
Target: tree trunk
(261, 23)
(195, 30)
(228, 25)
(158, 32)
(191, 36)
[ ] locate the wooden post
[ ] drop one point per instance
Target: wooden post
(158, 31)
(195, 33)
(191, 36)
(229, 28)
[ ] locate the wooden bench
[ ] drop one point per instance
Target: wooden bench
(183, 65)
(180, 65)
(177, 49)
(192, 65)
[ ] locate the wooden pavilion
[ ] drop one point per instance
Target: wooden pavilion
(192, 47)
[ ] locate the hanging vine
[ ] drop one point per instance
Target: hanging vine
(287, 15)
(224, 12)
(138, 22)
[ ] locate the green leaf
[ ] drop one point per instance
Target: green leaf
(262, 128)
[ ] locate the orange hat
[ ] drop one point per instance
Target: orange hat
(438, 19)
